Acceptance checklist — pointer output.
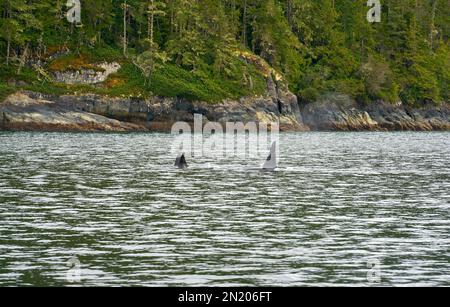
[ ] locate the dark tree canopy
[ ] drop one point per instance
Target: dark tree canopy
(182, 47)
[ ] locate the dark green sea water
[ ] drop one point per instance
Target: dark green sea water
(363, 209)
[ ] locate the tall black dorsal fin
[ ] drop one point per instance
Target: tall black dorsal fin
(271, 162)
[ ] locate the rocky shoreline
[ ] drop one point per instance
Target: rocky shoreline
(30, 111)
(340, 113)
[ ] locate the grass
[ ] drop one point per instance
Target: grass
(85, 58)
(72, 63)
(173, 81)
(5, 91)
(169, 80)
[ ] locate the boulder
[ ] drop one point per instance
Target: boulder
(87, 76)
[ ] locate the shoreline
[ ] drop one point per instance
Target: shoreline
(31, 111)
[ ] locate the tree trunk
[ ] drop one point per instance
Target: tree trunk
(172, 18)
(151, 17)
(8, 50)
(23, 59)
(289, 10)
(125, 28)
(432, 25)
(244, 24)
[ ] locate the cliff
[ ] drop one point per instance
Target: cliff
(30, 111)
(340, 113)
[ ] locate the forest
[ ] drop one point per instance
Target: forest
(215, 49)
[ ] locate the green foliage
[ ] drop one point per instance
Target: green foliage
(168, 80)
(441, 66)
(190, 48)
(419, 82)
(5, 90)
(173, 81)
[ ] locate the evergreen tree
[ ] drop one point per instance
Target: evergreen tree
(17, 24)
(318, 46)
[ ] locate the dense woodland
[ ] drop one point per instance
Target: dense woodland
(210, 49)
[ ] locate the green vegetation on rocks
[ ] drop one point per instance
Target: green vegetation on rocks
(215, 49)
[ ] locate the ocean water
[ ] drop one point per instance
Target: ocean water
(344, 209)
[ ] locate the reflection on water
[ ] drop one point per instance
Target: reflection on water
(344, 209)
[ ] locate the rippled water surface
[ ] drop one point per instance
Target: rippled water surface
(344, 209)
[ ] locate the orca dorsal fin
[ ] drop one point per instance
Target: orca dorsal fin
(271, 162)
(180, 162)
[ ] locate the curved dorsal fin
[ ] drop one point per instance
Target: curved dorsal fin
(271, 162)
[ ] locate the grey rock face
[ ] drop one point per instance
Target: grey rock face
(339, 112)
(29, 110)
(35, 111)
(23, 113)
(87, 76)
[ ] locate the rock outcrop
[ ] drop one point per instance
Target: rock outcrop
(20, 112)
(87, 76)
(401, 118)
(35, 111)
(340, 113)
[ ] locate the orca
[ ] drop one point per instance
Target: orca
(271, 162)
(180, 162)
